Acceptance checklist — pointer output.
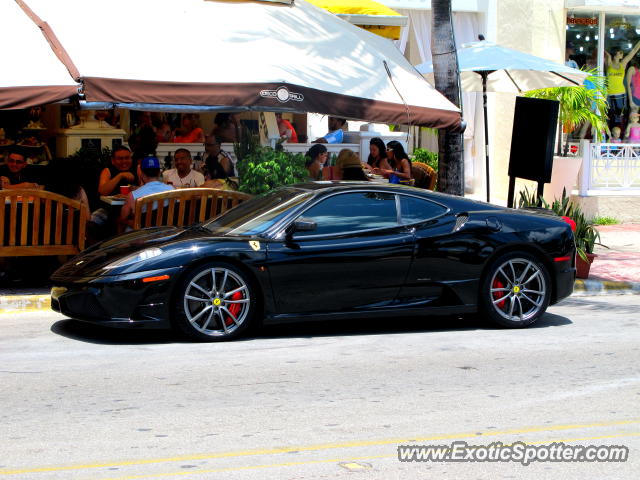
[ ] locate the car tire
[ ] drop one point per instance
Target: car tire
(214, 302)
(515, 290)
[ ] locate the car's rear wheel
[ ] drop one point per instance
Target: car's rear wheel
(215, 302)
(516, 290)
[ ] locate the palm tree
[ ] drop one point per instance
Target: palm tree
(578, 105)
(447, 81)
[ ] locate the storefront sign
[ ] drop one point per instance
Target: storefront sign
(581, 21)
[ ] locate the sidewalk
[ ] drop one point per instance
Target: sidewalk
(616, 271)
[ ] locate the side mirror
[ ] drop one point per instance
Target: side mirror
(304, 225)
(300, 225)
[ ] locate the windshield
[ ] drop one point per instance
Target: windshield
(255, 216)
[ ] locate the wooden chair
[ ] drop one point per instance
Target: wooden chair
(183, 206)
(424, 175)
(35, 222)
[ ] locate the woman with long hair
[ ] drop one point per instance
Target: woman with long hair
(398, 160)
(316, 157)
(377, 155)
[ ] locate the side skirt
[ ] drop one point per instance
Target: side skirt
(378, 313)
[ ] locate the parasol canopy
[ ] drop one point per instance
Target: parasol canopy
(150, 54)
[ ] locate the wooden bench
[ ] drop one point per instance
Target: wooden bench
(35, 222)
(183, 206)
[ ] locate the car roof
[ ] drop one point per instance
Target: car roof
(338, 185)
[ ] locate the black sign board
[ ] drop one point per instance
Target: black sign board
(534, 133)
(92, 145)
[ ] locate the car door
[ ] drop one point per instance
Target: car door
(434, 259)
(356, 258)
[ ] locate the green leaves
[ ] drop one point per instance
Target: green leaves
(580, 104)
(263, 169)
(425, 156)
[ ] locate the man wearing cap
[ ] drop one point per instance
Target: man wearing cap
(151, 183)
(183, 175)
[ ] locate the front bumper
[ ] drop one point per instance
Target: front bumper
(118, 300)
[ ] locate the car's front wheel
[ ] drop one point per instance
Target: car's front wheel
(515, 290)
(215, 302)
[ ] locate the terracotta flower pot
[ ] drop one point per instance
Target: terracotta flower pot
(582, 267)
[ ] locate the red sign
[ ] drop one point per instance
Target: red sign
(581, 21)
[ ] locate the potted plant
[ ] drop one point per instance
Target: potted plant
(584, 232)
(586, 236)
(579, 105)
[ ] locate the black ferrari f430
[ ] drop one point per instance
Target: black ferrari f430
(325, 250)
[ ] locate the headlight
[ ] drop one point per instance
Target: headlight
(135, 258)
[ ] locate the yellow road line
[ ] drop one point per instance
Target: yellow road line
(328, 446)
(335, 460)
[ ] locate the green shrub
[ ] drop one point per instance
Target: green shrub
(605, 221)
(425, 156)
(264, 169)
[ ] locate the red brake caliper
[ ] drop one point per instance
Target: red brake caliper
(234, 308)
(496, 295)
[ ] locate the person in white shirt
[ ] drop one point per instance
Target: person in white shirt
(183, 175)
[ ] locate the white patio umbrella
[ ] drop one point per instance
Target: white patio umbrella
(201, 54)
(32, 74)
(487, 67)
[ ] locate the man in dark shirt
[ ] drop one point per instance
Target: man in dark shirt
(218, 162)
(16, 173)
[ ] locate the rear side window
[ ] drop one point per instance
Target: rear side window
(414, 210)
(351, 212)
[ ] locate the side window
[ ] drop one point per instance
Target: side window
(349, 212)
(413, 210)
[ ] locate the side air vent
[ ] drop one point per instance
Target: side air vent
(461, 219)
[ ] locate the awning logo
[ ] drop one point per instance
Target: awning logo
(282, 94)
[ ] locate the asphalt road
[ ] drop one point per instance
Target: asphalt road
(318, 401)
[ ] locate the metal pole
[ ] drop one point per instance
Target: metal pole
(486, 132)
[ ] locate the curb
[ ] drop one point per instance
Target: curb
(605, 287)
(24, 303)
(582, 288)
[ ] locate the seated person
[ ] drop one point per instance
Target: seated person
(143, 141)
(151, 183)
(399, 161)
(226, 127)
(286, 130)
(350, 165)
(217, 162)
(16, 173)
(64, 177)
(190, 131)
(377, 155)
(314, 167)
(183, 175)
(336, 131)
(121, 172)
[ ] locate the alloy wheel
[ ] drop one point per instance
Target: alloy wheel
(518, 290)
(216, 301)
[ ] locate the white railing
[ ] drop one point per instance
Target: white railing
(610, 167)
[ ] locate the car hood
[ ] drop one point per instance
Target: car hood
(92, 261)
